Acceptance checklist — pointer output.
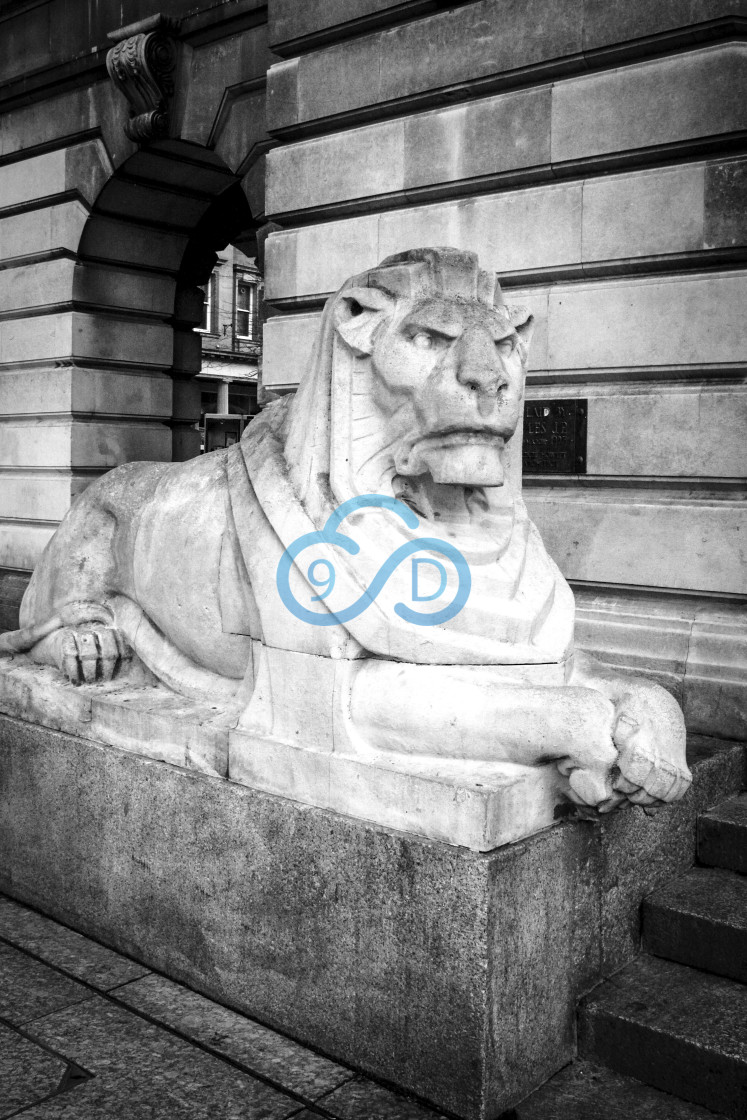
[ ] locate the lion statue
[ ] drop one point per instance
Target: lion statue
(414, 395)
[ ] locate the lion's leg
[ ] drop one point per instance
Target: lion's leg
(467, 712)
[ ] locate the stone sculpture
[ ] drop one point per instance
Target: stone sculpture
(415, 393)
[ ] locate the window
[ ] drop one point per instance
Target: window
(246, 307)
(209, 308)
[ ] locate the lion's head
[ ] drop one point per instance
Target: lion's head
(442, 360)
(415, 391)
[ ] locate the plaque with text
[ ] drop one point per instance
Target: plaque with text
(555, 437)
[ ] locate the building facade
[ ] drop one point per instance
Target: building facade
(593, 154)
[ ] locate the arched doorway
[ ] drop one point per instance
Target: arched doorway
(150, 244)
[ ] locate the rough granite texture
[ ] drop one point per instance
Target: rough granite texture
(583, 1091)
(449, 973)
(722, 835)
(676, 1028)
(700, 920)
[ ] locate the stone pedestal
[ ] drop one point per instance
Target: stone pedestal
(451, 973)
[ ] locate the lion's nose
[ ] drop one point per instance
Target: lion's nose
(479, 367)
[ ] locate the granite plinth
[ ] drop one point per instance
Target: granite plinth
(450, 973)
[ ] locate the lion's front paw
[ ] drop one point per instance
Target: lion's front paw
(90, 654)
(651, 762)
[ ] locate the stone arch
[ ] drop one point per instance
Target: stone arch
(152, 236)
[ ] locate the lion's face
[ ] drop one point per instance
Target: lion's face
(447, 382)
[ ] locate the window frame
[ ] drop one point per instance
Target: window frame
(246, 276)
(209, 305)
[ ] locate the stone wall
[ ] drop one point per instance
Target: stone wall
(97, 354)
(593, 155)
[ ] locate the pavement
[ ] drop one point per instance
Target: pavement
(86, 1033)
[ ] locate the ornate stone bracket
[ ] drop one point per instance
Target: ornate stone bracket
(142, 64)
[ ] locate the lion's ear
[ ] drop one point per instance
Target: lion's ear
(523, 323)
(357, 315)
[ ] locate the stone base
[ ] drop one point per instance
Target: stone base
(450, 973)
(477, 805)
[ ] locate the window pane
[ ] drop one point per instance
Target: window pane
(243, 321)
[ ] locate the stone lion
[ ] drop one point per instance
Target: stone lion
(415, 394)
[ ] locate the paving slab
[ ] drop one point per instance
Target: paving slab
(583, 1091)
(361, 1099)
(30, 989)
(112, 1042)
(254, 1047)
(700, 919)
(28, 1073)
(722, 835)
(65, 949)
(675, 1028)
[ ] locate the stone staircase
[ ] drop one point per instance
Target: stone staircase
(665, 1038)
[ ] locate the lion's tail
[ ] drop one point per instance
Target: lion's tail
(19, 641)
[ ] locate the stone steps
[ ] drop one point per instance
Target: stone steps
(666, 1037)
(722, 835)
(700, 920)
(675, 1028)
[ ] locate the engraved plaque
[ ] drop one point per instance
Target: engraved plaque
(555, 437)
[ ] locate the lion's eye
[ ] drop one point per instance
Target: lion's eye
(505, 346)
(422, 340)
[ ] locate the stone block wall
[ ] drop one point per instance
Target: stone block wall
(95, 358)
(593, 154)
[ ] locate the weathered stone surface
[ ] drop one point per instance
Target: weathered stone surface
(647, 213)
(361, 1099)
(585, 1091)
(673, 1027)
(28, 1073)
(643, 849)
(390, 952)
(125, 289)
(128, 243)
(697, 652)
(667, 100)
(716, 671)
(82, 167)
(31, 989)
(22, 287)
(39, 231)
(288, 21)
(700, 920)
(600, 222)
(71, 444)
(605, 25)
(113, 1043)
(316, 173)
(247, 1043)
(628, 324)
(680, 320)
(65, 949)
(690, 431)
(639, 538)
(610, 112)
(230, 61)
(722, 835)
(22, 543)
(726, 203)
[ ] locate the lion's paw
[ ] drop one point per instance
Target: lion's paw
(650, 771)
(87, 655)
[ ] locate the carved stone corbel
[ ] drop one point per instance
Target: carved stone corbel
(142, 64)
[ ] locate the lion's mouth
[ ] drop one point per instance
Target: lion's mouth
(459, 437)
